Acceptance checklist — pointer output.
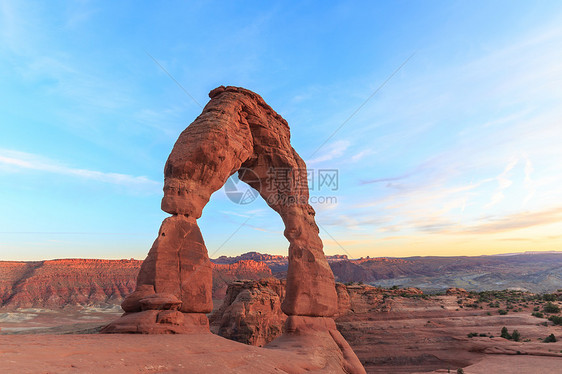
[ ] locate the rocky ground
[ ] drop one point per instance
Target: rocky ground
(405, 331)
(392, 331)
(425, 335)
(123, 354)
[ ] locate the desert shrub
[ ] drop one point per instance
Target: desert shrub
(488, 313)
(472, 334)
(557, 320)
(482, 335)
(502, 312)
(516, 336)
(549, 297)
(550, 339)
(537, 314)
(551, 308)
(504, 333)
(460, 371)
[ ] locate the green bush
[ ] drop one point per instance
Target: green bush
(537, 314)
(551, 308)
(557, 320)
(550, 339)
(516, 336)
(505, 334)
(502, 312)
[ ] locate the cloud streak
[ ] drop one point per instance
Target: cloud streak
(15, 161)
(517, 221)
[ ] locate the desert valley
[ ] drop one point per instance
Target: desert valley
(397, 329)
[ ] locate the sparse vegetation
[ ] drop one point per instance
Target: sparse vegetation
(557, 320)
(502, 312)
(551, 308)
(537, 314)
(515, 335)
(550, 339)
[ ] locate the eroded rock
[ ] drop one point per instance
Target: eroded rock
(236, 132)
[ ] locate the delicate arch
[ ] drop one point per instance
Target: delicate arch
(236, 130)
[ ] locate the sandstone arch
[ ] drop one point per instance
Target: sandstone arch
(236, 129)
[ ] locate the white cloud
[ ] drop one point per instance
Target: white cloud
(332, 151)
(14, 161)
(358, 156)
(503, 183)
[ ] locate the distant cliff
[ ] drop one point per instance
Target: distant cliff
(60, 283)
(73, 282)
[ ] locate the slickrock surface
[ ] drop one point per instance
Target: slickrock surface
(193, 353)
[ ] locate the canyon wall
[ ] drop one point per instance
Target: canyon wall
(81, 282)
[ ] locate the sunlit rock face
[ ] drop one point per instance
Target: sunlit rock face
(238, 131)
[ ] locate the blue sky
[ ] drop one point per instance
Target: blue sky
(458, 154)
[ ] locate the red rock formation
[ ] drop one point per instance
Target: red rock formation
(70, 282)
(85, 282)
(178, 265)
(237, 131)
(225, 274)
(456, 291)
(251, 312)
